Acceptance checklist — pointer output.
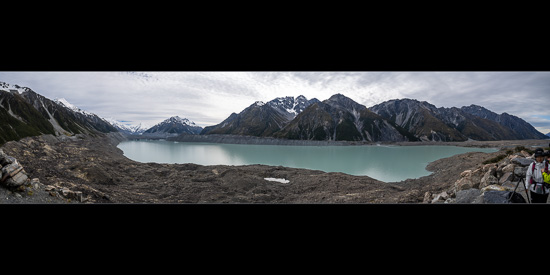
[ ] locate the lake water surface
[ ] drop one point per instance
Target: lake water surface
(385, 163)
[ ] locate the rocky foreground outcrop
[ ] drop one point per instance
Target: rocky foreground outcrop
(493, 182)
(17, 187)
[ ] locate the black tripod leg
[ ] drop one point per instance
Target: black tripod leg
(525, 188)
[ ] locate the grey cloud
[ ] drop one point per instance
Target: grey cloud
(211, 96)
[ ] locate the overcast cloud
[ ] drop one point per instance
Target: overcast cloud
(207, 98)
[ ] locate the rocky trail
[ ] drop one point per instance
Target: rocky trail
(83, 169)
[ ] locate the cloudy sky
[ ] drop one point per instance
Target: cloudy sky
(207, 98)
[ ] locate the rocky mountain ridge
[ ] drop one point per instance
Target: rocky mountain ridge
(173, 126)
(427, 122)
(262, 119)
(339, 118)
(24, 113)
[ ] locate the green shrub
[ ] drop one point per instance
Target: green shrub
(495, 159)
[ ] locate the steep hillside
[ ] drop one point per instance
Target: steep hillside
(427, 122)
(262, 119)
(24, 113)
(341, 118)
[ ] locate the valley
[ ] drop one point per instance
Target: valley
(98, 169)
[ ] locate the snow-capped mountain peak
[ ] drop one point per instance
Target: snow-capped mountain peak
(174, 126)
(128, 128)
(177, 119)
(13, 88)
(290, 104)
(63, 102)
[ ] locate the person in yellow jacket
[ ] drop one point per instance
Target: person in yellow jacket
(546, 177)
(546, 173)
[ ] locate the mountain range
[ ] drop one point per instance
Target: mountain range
(427, 122)
(24, 112)
(262, 119)
(341, 118)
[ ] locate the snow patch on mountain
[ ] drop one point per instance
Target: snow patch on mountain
(178, 119)
(128, 128)
(63, 102)
(174, 126)
(13, 88)
(291, 105)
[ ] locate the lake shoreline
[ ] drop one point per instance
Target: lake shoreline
(377, 162)
(236, 139)
(97, 168)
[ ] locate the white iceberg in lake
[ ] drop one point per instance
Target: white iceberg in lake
(277, 180)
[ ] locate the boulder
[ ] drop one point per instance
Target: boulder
(466, 173)
(476, 177)
(496, 196)
(464, 183)
(11, 169)
(75, 195)
(522, 161)
(488, 179)
(493, 187)
(470, 179)
(13, 174)
(64, 192)
(7, 160)
(525, 154)
(441, 197)
(467, 196)
(509, 168)
(2, 156)
(17, 180)
(508, 176)
(511, 185)
(427, 197)
(489, 166)
(35, 183)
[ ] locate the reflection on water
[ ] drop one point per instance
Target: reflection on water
(385, 163)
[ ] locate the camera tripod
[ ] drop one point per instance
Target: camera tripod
(522, 180)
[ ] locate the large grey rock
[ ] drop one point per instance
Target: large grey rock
(488, 179)
(467, 196)
(496, 196)
(11, 168)
(440, 197)
(522, 161)
(17, 180)
(509, 168)
(12, 172)
(506, 177)
(2, 156)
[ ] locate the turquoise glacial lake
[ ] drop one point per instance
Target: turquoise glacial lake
(384, 163)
